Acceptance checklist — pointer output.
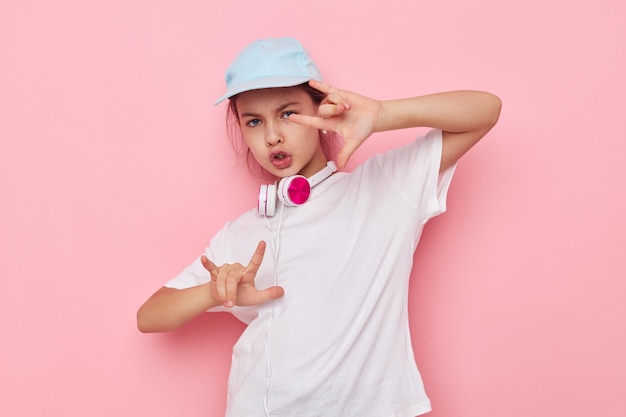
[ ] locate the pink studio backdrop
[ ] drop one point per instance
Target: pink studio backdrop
(115, 171)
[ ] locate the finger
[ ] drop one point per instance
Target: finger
(210, 266)
(346, 151)
(312, 121)
(321, 86)
(334, 95)
(270, 293)
(220, 281)
(231, 283)
(328, 110)
(255, 262)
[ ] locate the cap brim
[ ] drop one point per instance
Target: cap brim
(259, 83)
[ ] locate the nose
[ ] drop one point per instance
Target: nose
(273, 135)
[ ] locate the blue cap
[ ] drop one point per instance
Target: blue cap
(268, 63)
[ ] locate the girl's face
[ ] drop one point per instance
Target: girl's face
(281, 147)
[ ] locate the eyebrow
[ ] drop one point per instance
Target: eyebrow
(277, 110)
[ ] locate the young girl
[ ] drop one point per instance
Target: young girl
(319, 271)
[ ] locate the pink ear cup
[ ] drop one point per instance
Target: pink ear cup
(293, 191)
(299, 190)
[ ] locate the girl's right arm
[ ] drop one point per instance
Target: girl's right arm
(230, 285)
(169, 308)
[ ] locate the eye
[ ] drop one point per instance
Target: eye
(253, 122)
(287, 113)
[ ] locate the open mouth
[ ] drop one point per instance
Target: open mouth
(280, 160)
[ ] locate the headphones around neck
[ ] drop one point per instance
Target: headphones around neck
(291, 191)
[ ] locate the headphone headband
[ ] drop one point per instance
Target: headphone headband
(322, 174)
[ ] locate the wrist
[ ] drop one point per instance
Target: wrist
(397, 114)
(208, 294)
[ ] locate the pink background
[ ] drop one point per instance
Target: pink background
(115, 171)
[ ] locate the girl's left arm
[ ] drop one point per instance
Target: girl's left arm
(463, 116)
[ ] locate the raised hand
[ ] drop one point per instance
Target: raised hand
(233, 284)
(351, 115)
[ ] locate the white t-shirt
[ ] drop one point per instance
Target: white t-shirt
(338, 342)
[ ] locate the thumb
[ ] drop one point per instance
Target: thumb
(270, 293)
(346, 151)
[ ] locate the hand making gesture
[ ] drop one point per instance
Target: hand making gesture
(351, 115)
(234, 283)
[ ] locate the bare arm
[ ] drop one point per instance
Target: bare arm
(463, 116)
(230, 285)
(169, 308)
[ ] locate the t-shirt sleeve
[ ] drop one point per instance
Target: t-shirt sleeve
(413, 170)
(195, 274)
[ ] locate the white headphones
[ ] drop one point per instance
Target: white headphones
(291, 191)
